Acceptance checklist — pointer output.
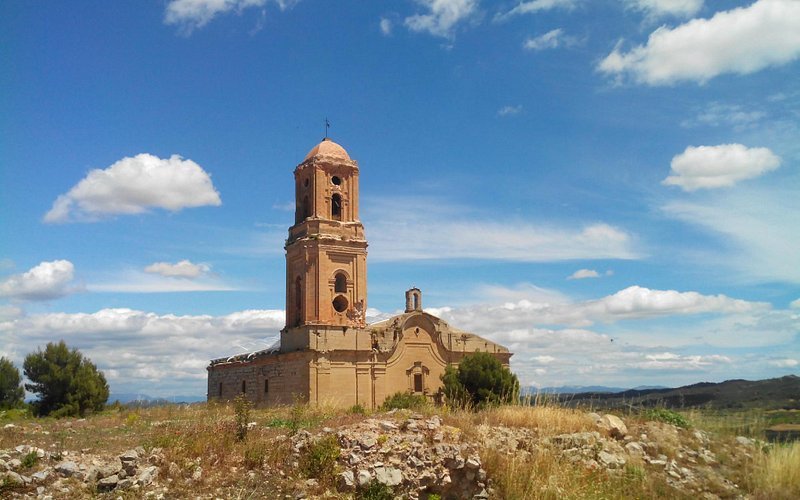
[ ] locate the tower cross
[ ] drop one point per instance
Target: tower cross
(327, 126)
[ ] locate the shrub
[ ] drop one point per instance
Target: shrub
(30, 459)
(11, 392)
(479, 380)
(241, 408)
(374, 491)
(319, 459)
(357, 410)
(667, 416)
(67, 384)
(404, 400)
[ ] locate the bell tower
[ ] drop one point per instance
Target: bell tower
(326, 252)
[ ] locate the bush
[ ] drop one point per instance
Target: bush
(667, 416)
(241, 407)
(319, 460)
(404, 401)
(479, 380)
(374, 491)
(67, 384)
(11, 392)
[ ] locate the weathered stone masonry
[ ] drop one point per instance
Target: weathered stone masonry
(327, 354)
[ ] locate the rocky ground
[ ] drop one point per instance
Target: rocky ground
(417, 456)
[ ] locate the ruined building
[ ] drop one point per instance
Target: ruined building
(327, 353)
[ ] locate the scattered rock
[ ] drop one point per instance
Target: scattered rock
(388, 476)
(346, 481)
(108, 483)
(615, 426)
(67, 469)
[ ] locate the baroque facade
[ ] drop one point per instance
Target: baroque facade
(327, 354)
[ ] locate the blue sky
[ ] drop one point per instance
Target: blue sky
(609, 188)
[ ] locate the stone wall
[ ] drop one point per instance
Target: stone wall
(275, 379)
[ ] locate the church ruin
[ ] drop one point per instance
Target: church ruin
(327, 354)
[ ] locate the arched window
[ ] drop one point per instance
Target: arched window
(336, 207)
(306, 209)
(340, 285)
(298, 301)
(416, 301)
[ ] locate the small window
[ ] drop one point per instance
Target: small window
(266, 385)
(416, 302)
(298, 301)
(340, 303)
(341, 284)
(305, 183)
(244, 386)
(417, 382)
(220, 389)
(336, 206)
(336, 180)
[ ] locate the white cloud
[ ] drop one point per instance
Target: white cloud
(509, 110)
(395, 236)
(661, 8)
(48, 280)
(795, 304)
(181, 269)
(134, 185)
(758, 225)
(741, 41)
(709, 167)
(785, 363)
(147, 352)
(534, 6)
(189, 15)
(443, 16)
(583, 274)
(734, 115)
(386, 26)
(139, 282)
(550, 40)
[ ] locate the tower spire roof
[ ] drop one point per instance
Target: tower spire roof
(328, 148)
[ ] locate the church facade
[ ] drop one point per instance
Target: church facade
(327, 354)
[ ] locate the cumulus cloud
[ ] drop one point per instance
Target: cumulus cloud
(48, 280)
(443, 16)
(709, 167)
(159, 354)
(395, 236)
(181, 269)
(583, 274)
(189, 15)
(534, 6)
(661, 8)
(509, 110)
(135, 185)
(740, 41)
(795, 304)
(550, 40)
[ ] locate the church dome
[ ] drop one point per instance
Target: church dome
(328, 148)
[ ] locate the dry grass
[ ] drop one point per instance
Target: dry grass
(778, 472)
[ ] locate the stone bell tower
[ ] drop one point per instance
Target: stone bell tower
(326, 252)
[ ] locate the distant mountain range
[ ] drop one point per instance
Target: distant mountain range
(774, 393)
(577, 389)
(146, 400)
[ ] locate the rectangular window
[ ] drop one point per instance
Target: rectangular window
(220, 389)
(266, 385)
(244, 386)
(417, 382)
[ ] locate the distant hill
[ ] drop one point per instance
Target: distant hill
(774, 393)
(145, 400)
(577, 389)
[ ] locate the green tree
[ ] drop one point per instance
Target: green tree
(479, 380)
(11, 392)
(67, 384)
